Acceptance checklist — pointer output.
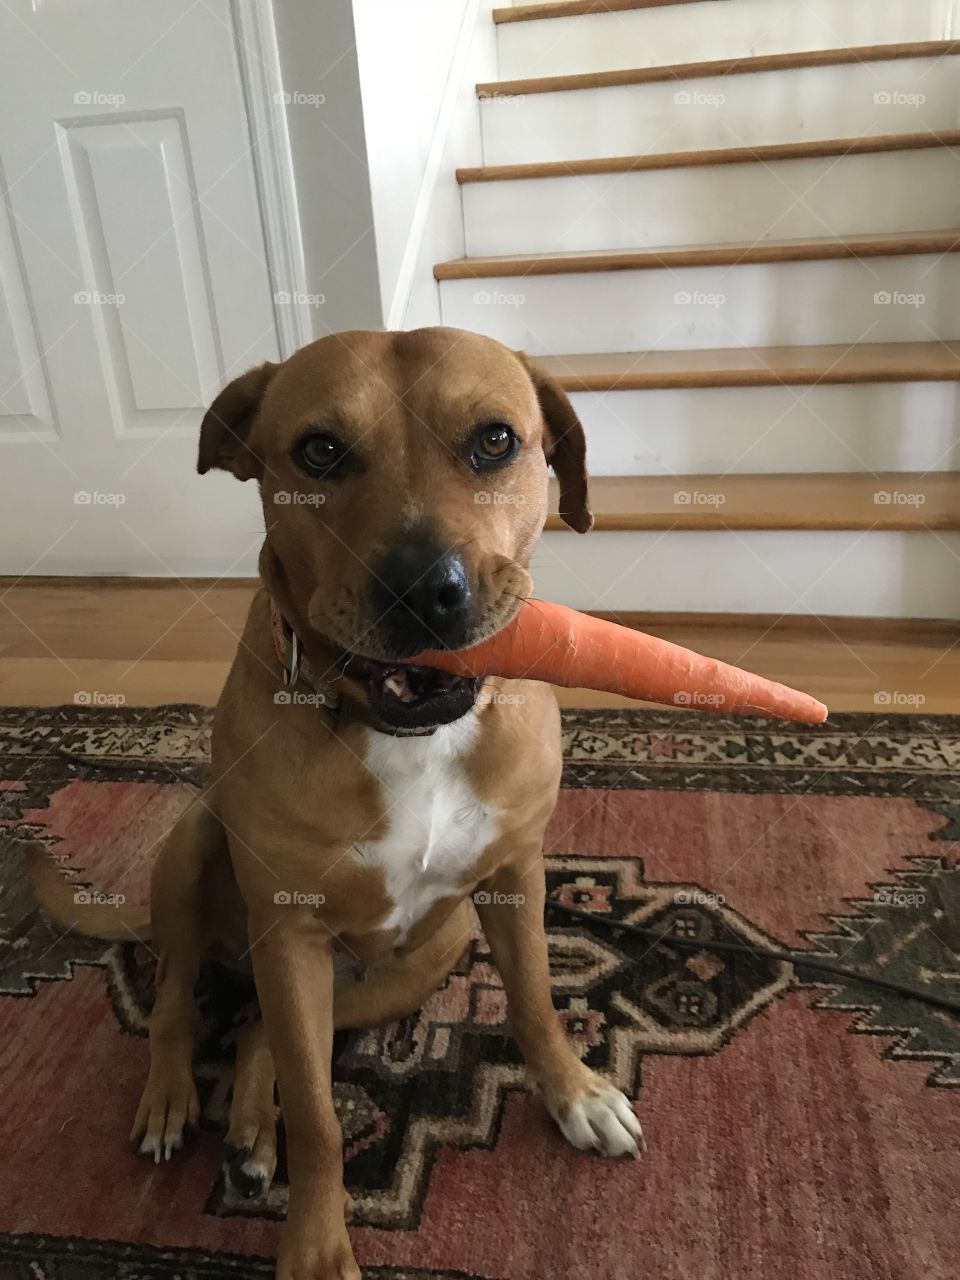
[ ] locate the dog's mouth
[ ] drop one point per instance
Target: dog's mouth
(406, 696)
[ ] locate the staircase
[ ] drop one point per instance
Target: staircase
(731, 229)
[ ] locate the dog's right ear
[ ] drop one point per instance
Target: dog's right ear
(564, 445)
(227, 423)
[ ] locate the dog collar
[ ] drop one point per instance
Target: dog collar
(296, 668)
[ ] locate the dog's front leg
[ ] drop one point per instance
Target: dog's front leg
(293, 968)
(169, 1105)
(591, 1113)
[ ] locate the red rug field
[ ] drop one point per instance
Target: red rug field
(796, 1131)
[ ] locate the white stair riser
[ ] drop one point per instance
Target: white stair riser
(755, 305)
(895, 575)
(724, 111)
(701, 32)
(912, 426)
(791, 199)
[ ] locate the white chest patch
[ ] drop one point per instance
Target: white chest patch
(437, 826)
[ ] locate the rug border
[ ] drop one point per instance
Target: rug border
(24, 1247)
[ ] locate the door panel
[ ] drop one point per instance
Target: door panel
(143, 251)
(24, 396)
(133, 283)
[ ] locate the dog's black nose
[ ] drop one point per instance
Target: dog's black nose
(422, 597)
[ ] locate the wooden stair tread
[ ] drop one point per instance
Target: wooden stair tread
(764, 153)
(888, 244)
(720, 67)
(824, 501)
(576, 8)
(757, 367)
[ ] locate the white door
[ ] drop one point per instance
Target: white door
(133, 283)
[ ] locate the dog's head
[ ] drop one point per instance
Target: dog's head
(404, 486)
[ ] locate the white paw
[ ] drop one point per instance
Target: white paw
(166, 1110)
(161, 1146)
(602, 1120)
(247, 1174)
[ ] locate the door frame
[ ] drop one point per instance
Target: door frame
(258, 57)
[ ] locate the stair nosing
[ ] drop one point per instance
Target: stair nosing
(763, 153)
(833, 364)
(842, 516)
(578, 9)
(582, 262)
(719, 67)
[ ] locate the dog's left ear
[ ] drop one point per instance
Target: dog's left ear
(226, 425)
(565, 446)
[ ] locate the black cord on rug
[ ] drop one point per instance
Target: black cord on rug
(798, 960)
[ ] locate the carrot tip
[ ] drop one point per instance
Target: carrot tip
(805, 710)
(815, 714)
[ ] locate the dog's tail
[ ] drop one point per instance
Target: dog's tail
(82, 910)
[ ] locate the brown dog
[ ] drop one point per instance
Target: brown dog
(350, 816)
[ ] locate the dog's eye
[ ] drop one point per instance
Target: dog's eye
(318, 454)
(492, 444)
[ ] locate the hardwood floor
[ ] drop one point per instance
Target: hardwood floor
(160, 641)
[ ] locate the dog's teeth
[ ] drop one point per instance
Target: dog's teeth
(399, 686)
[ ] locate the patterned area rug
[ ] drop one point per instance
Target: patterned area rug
(796, 1131)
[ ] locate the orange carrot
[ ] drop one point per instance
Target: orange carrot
(561, 646)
